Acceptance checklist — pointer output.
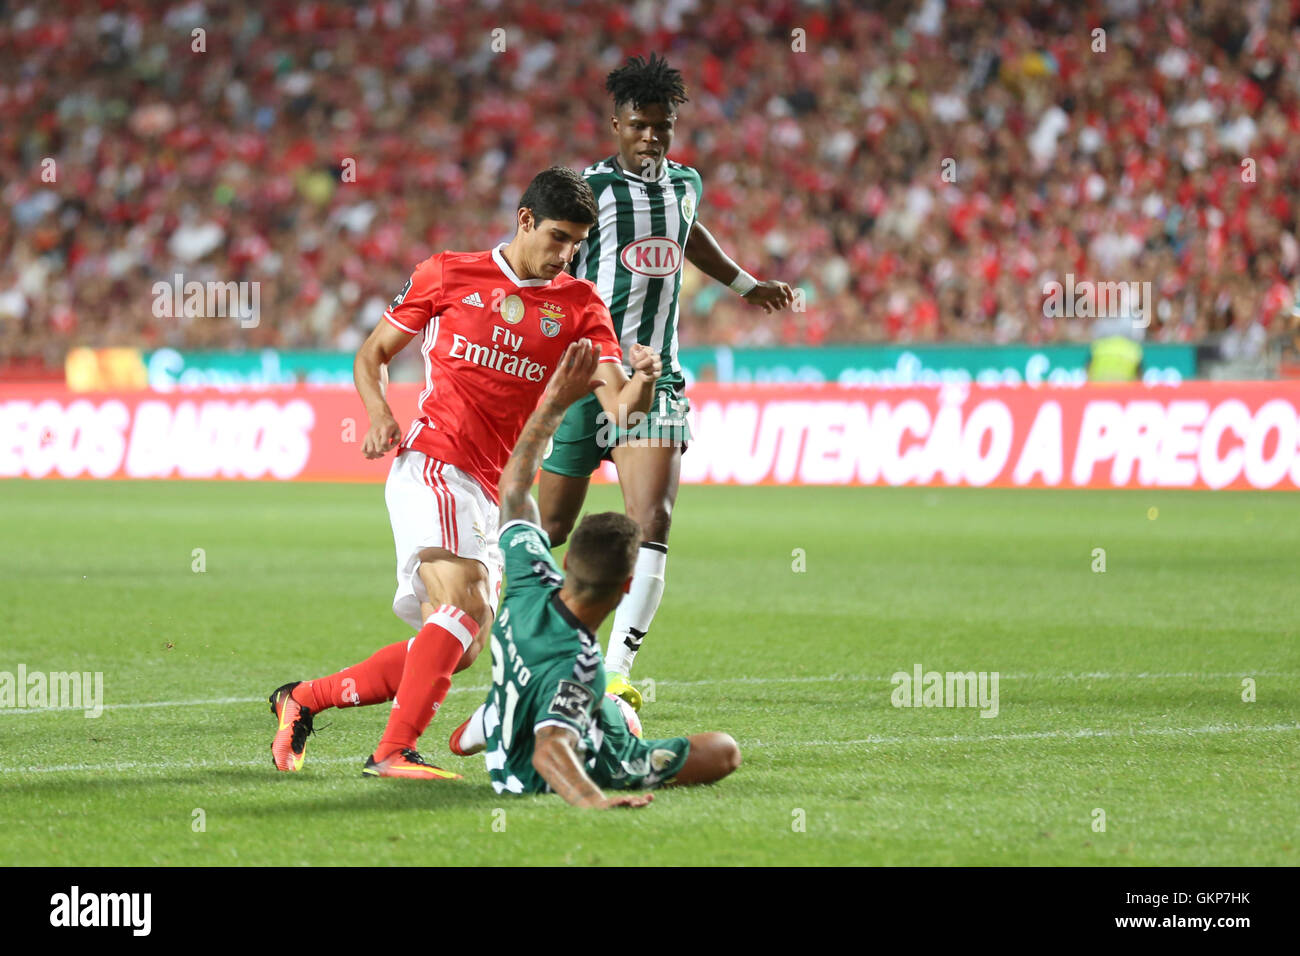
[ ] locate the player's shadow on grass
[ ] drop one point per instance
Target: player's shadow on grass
(285, 792)
(117, 781)
(388, 795)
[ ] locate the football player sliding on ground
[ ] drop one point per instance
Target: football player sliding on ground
(648, 221)
(547, 723)
(492, 325)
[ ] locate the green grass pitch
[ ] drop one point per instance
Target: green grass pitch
(1120, 692)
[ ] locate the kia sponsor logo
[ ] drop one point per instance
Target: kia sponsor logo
(657, 257)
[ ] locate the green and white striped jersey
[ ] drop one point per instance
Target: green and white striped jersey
(546, 665)
(547, 672)
(635, 251)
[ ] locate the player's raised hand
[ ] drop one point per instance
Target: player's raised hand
(646, 360)
(381, 437)
(772, 295)
(575, 375)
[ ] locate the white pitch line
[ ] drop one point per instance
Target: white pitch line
(828, 679)
(173, 765)
(861, 679)
(214, 702)
(1082, 734)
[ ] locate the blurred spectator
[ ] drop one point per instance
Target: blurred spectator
(919, 170)
(1244, 340)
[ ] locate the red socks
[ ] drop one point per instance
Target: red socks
(426, 677)
(373, 681)
(420, 675)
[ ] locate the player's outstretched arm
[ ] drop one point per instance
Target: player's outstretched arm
(370, 373)
(574, 378)
(706, 255)
(556, 760)
(619, 395)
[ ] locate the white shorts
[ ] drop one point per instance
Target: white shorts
(435, 505)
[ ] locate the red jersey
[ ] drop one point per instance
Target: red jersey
(490, 342)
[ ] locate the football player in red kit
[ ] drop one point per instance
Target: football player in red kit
(492, 325)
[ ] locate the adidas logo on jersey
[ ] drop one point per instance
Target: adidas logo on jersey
(473, 300)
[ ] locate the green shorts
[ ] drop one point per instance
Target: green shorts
(586, 436)
(625, 762)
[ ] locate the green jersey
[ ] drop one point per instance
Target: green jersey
(635, 251)
(547, 671)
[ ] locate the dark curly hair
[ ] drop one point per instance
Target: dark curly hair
(643, 83)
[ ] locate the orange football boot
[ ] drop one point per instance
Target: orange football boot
(295, 723)
(408, 765)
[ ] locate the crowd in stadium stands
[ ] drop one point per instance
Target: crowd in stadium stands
(920, 170)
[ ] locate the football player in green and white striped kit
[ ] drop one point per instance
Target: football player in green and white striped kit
(547, 724)
(647, 225)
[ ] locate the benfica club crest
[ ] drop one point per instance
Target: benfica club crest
(550, 318)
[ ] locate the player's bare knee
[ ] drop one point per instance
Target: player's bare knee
(557, 529)
(655, 520)
(472, 652)
(481, 611)
(464, 585)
